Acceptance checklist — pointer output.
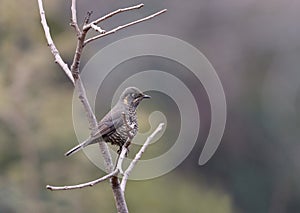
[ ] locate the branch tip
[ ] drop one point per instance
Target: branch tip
(119, 27)
(87, 17)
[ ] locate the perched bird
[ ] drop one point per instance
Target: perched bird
(112, 128)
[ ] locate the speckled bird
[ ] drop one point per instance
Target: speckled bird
(112, 128)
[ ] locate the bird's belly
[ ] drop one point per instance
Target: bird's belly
(120, 136)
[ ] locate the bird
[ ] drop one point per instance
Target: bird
(119, 124)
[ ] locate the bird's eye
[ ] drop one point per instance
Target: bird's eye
(132, 95)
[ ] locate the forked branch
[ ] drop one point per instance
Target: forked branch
(123, 26)
(88, 26)
(117, 170)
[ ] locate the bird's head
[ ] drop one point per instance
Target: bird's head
(132, 96)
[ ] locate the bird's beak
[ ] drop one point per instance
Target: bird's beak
(146, 96)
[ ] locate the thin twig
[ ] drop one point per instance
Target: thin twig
(139, 155)
(98, 29)
(80, 42)
(123, 26)
(87, 26)
(74, 22)
(51, 44)
(79, 186)
(77, 56)
(87, 17)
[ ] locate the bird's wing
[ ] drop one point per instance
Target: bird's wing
(110, 122)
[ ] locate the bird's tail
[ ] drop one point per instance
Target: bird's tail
(78, 147)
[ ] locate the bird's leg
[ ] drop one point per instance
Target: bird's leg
(123, 149)
(119, 150)
(126, 145)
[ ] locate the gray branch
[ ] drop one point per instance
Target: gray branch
(123, 26)
(87, 26)
(83, 185)
(51, 44)
(139, 155)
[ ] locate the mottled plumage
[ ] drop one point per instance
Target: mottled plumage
(112, 128)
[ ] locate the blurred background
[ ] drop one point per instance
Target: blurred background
(253, 45)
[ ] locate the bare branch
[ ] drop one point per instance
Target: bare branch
(139, 155)
(79, 186)
(74, 18)
(123, 26)
(98, 29)
(118, 195)
(51, 44)
(77, 56)
(80, 42)
(115, 184)
(121, 157)
(112, 14)
(87, 17)
(84, 100)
